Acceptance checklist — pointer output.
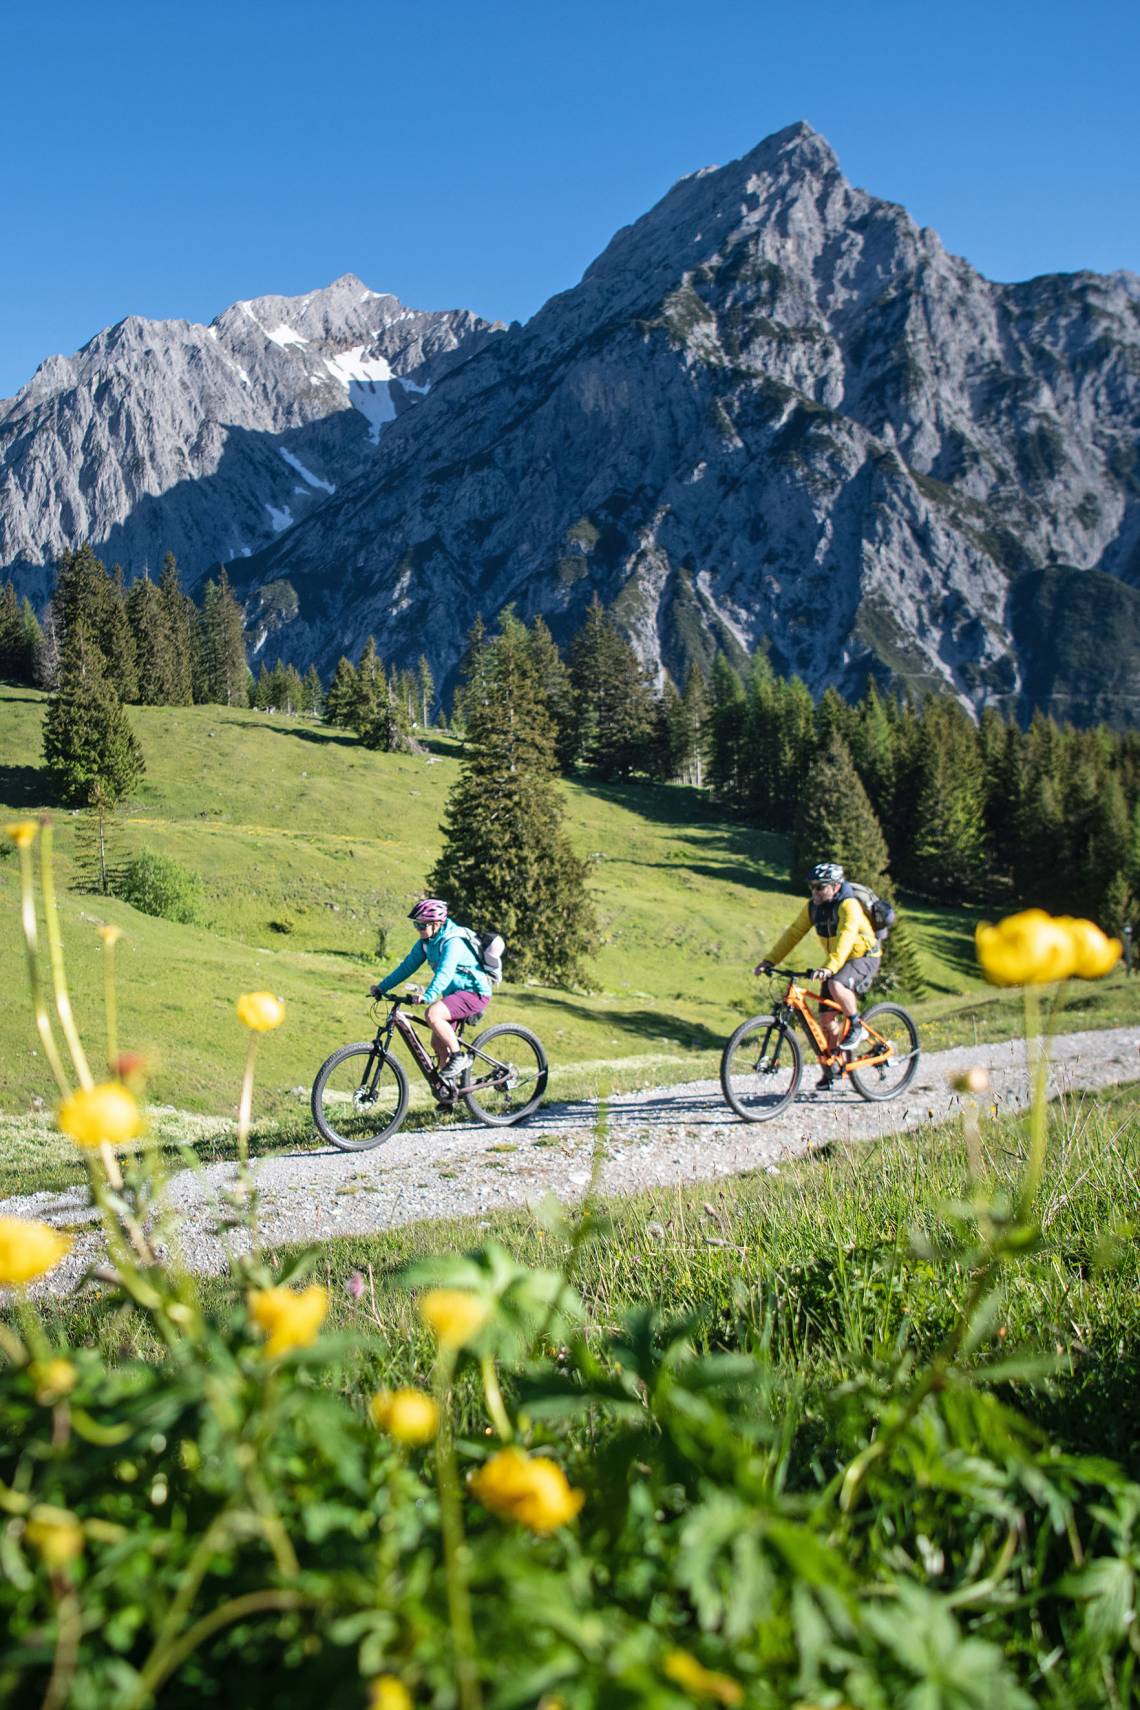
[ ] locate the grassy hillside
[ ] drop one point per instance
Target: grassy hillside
(309, 847)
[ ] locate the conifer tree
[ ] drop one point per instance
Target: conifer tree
(696, 715)
(557, 692)
(291, 689)
(224, 671)
(727, 734)
(341, 698)
(426, 691)
(89, 746)
(836, 822)
(946, 855)
(507, 864)
(181, 629)
(616, 713)
(872, 745)
(369, 687)
(671, 745)
(117, 642)
(18, 635)
(154, 648)
(312, 694)
(262, 696)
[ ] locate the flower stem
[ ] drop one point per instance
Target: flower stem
(500, 1418)
(55, 956)
(110, 1005)
(245, 1105)
(31, 943)
(454, 1544)
(1037, 1051)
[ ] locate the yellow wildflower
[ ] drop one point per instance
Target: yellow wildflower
(110, 934)
(388, 1692)
(106, 1112)
(408, 1415)
(1094, 954)
(1027, 949)
(22, 832)
(700, 1682)
(27, 1250)
(532, 1491)
(291, 1318)
(454, 1314)
(53, 1380)
(261, 1012)
(56, 1534)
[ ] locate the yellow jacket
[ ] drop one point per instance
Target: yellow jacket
(855, 936)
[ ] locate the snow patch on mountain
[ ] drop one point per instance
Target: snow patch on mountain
(305, 474)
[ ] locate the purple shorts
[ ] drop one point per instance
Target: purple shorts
(461, 1006)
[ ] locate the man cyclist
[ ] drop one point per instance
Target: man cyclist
(854, 954)
(459, 989)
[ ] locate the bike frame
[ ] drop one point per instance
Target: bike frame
(405, 1025)
(796, 1003)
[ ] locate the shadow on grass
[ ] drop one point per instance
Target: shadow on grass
(26, 787)
(652, 1024)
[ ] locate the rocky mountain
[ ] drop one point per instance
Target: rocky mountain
(775, 412)
(209, 441)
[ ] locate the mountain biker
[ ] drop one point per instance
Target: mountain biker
(854, 954)
(459, 989)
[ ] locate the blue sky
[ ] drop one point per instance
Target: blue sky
(165, 160)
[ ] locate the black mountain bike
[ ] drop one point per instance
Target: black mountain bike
(360, 1095)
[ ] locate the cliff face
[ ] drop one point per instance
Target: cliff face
(774, 412)
(209, 441)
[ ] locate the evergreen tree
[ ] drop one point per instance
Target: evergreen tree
(836, 822)
(341, 698)
(506, 863)
(117, 642)
(89, 746)
(671, 746)
(696, 717)
(181, 629)
(369, 688)
(426, 691)
(224, 674)
(617, 718)
(947, 852)
(388, 726)
(292, 689)
(154, 648)
(262, 696)
(557, 692)
(18, 637)
(312, 694)
(726, 734)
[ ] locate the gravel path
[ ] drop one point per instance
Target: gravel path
(679, 1134)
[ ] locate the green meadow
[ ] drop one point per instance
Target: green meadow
(310, 850)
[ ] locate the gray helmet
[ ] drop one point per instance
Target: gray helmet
(826, 873)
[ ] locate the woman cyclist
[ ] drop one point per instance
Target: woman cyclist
(459, 989)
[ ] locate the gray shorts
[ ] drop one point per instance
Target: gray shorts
(859, 974)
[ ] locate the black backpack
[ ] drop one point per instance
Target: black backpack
(878, 910)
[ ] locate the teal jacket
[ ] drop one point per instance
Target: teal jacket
(453, 964)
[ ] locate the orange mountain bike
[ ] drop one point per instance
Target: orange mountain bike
(762, 1063)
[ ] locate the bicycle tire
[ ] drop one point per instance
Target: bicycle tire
(874, 1082)
(324, 1102)
(494, 1106)
(753, 1091)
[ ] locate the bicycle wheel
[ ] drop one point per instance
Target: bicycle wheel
(360, 1096)
(888, 1078)
(513, 1062)
(760, 1068)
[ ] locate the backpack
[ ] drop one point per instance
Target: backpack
(878, 910)
(488, 949)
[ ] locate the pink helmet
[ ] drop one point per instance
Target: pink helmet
(428, 909)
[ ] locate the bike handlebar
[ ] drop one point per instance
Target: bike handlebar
(790, 973)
